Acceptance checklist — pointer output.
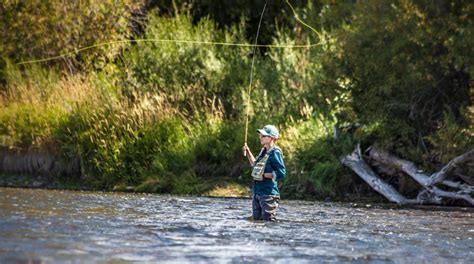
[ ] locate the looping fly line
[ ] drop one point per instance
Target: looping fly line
(70, 53)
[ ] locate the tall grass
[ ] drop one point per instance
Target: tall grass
(36, 102)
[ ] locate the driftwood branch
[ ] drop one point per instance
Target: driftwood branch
(453, 195)
(359, 166)
(441, 175)
(466, 178)
(426, 181)
(430, 193)
(402, 165)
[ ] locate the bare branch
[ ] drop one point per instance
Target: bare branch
(425, 181)
(453, 195)
(467, 179)
(403, 165)
(441, 175)
(464, 187)
(358, 165)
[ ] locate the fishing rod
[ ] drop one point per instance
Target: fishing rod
(249, 90)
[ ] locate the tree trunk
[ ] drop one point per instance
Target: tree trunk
(358, 165)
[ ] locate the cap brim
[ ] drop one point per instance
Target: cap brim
(262, 132)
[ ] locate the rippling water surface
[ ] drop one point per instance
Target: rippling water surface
(66, 226)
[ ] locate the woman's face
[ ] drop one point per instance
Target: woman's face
(265, 139)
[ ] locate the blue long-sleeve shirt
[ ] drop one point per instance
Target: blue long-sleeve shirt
(275, 165)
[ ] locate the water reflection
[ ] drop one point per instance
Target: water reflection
(59, 226)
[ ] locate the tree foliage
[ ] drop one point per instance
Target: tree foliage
(42, 29)
(405, 65)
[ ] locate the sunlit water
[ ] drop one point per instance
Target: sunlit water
(66, 226)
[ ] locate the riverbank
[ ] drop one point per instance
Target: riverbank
(217, 189)
(41, 182)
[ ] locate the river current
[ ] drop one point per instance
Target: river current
(53, 226)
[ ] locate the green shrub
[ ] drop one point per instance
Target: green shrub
(313, 163)
(402, 65)
(40, 29)
(183, 71)
(452, 139)
(218, 149)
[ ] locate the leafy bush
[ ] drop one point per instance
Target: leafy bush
(313, 163)
(402, 65)
(451, 138)
(187, 73)
(40, 29)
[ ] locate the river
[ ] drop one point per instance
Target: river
(89, 227)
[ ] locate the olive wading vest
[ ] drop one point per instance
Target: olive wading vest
(259, 168)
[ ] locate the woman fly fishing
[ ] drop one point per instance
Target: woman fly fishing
(268, 169)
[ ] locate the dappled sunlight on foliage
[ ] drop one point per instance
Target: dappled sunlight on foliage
(40, 29)
(169, 117)
(313, 155)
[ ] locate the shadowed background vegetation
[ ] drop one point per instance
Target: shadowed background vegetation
(169, 117)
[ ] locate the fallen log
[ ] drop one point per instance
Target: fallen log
(428, 182)
(359, 166)
(430, 193)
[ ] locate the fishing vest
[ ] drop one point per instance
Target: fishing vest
(259, 168)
